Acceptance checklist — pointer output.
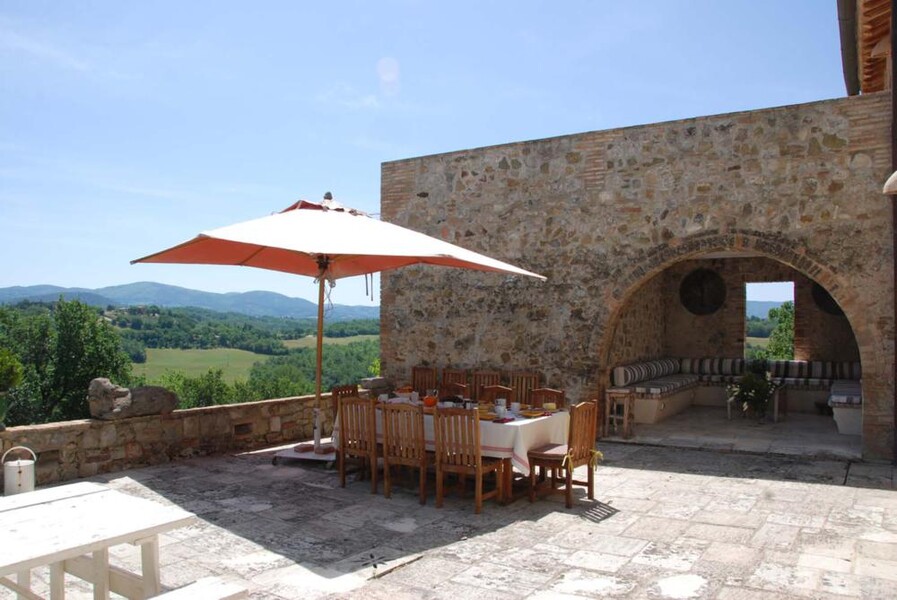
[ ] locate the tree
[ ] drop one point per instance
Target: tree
(206, 390)
(61, 349)
(781, 340)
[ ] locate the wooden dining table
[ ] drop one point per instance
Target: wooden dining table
(510, 441)
(71, 528)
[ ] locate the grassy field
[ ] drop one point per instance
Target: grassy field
(309, 341)
(757, 342)
(235, 363)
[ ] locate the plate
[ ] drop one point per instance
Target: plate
(531, 414)
(485, 416)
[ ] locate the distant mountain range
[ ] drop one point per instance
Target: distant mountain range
(760, 308)
(256, 304)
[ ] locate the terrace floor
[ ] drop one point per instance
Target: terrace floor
(707, 428)
(667, 523)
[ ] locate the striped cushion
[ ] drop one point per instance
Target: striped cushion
(812, 373)
(720, 378)
(778, 368)
(690, 365)
(629, 374)
(665, 385)
(846, 392)
(722, 366)
(847, 370)
(798, 369)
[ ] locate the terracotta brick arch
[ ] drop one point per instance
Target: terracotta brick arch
(793, 254)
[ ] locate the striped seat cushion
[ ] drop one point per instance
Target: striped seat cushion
(665, 385)
(846, 392)
(725, 379)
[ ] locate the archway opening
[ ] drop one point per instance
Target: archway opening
(693, 314)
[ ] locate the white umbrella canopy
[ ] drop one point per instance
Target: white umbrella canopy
(326, 241)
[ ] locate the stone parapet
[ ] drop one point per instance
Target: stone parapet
(72, 449)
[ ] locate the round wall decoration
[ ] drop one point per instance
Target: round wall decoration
(825, 302)
(702, 292)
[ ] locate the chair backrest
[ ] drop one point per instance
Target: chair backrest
(454, 389)
(423, 379)
(523, 382)
(583, 429)
(403, 431)
(357, 424)
(540, 396)
(457, 437)
(483, 378)
(454, 376)
(342, 391)
(490, 392)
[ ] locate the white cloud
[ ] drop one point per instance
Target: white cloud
(388, 74)
(343, 94)
(36, 48)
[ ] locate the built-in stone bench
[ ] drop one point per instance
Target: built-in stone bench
(806, 384)
(662, 388)
(846, 400)
(659, 389)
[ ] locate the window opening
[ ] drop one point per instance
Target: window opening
(769, 321)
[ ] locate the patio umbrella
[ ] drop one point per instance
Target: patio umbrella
(326, 241)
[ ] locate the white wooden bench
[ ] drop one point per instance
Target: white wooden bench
(207, 588)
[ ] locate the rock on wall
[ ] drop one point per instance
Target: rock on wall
(601, 213)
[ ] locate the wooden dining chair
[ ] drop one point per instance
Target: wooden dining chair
(523, 382)
(579, 450)
(403, 443)
(357, 436)
(479, 379)
(490, 392)
(423, 378)
(458, 451)
(540, 396)
(341, 391)
(454, 376)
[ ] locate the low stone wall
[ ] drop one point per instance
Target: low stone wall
(73, 449)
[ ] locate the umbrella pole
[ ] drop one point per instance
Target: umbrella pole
(320, 347)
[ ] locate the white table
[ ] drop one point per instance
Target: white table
(70, 528)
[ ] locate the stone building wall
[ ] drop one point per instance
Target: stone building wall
(73, 449)
(601, 213)
(641, 331)
(819, 335)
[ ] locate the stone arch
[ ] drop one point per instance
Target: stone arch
(786, 251)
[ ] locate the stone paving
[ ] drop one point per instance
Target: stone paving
(667, 523)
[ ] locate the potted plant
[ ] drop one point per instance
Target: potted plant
(753, 393)
(10, 376)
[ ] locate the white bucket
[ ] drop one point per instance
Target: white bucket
(18, 475)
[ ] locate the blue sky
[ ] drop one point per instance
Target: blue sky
(127, 127)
